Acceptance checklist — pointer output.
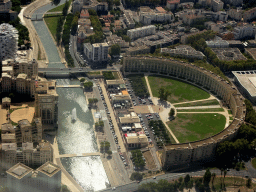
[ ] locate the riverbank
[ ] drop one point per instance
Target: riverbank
(100, 137)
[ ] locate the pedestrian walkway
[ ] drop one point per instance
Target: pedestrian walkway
(210, 98)
(200, 107)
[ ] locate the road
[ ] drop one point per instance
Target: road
(133, 186)
(122, 176)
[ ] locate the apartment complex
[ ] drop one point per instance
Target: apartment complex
(114, 39)
(199, 151)
(46, 102)
(96, 52)
(8, 41)
(243, 31)
(19, 76)
(147, 15)
(239, 14)
(128, 19)
(184, 51)
(22, 178)
(141, 32)
(6, 11)
(23, 143)
(79, 5)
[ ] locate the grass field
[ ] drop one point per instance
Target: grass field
(51, 22)
(201, 110)
(59, 8)
(180, 91)
(199, 103)
(193, 127)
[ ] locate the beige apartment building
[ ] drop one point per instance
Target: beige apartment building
(46, 99)
(23, 143)
(184, 154)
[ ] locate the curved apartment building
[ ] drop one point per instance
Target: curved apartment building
(176, 156)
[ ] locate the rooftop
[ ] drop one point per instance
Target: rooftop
(49, 169)
(248, 80)
(19, 170)
(9, 146)
(7, 127)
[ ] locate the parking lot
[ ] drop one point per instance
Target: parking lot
(136, 100)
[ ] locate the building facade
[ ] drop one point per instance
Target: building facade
(184, 154)
(217, 5)
(97, 52)
(46, 99)
(141, 32)
(8, 41)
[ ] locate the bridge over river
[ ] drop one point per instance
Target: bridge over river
(79, 155)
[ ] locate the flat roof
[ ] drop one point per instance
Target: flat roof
(49, 169)
(19, 170)
(248, 80)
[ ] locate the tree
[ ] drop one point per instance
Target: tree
(99, 125)
(249, 183)
(207, 177)
(92, 101)
(163, 94)
(213, 177)
(55, 2)
(171, 113)
(88, 85)
(136, 176)
(65, 8)
(82, 80)
(115, 50)
(109, 152)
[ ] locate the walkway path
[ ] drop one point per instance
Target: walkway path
(200, 107)
(68, 86)
(210, 98)
(80, 155)
(164, 112)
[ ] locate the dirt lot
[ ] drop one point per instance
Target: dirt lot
(149, 160)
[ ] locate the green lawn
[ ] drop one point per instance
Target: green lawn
(180, 91)
(199, 103)
(193, 127)
(51, 22)
(201, 110)
(59, 8)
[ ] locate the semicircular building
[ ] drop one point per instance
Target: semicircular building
(176, 156)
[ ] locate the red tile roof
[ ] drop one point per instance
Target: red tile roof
(173, 2)
(160, 9)
(84, 14)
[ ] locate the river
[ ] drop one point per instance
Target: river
(77, 137)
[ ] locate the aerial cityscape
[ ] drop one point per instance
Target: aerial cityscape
(126, 95)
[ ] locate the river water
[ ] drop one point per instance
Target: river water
(77, 137)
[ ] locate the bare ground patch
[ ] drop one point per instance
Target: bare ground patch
(149, 160)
